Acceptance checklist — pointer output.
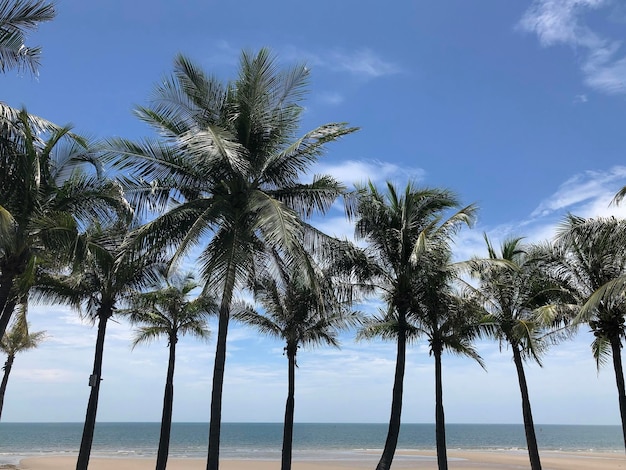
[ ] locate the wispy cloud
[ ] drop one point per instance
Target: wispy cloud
(582, 98)
(588, 194)
(561, 22)
(360, 171)
(584, 191)
(364, 62)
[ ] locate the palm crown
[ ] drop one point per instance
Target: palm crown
(18, 338)
(166, 311)
(230, 164)
(228, 167)
(46, 197)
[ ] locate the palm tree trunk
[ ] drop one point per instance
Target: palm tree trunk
(529, 427)
(440, 421)
(396, 403)
(6, 284)
(289, 410)
(218, 376)
(92, 406)
(616, 352)
(6, 314)
(5, 379)
(168, 401)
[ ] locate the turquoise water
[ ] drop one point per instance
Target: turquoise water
(311, 441)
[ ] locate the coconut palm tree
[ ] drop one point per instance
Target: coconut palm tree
(519, 299)
(104, 274)
(301, 313)
(229, 167)
(16, 340)
(17, 17)
(166, 311)
(591, 265)
(449, 320)
(397, 227)
(51, 184)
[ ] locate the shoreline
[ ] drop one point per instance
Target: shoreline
(457, 459)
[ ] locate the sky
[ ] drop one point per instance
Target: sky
(518, 107)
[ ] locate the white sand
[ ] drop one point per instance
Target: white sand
(478, 460)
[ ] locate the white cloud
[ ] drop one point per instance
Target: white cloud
(582, 98)
(360, 171)
(560, 22)
(588, 194)
(590, 191)
(556, 21)
(607, 76)
(364, 62)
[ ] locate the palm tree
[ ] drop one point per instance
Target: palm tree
(46, 194)
(397, 228)
(449, 320)
(17, 17)
(591, 264)
(14, 341)
(519, 299)
(230, 165)
(301, 313)
(104, 273)
(167, 312)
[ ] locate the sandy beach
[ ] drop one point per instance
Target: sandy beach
(503, 460)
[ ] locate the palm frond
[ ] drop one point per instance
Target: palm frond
(601, 350)
(17, 17)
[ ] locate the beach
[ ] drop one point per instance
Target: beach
(476, 460)
(257, 446)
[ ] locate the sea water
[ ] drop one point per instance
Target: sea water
(262, 441)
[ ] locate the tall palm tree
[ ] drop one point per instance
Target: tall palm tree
(591, 264)
(17, 17)
(519, 299)
(105, 272)
(166, 311)
(16, 340)
(51, 184)
(396, 227)
(230, 165)
(449, 320)
(301, 313)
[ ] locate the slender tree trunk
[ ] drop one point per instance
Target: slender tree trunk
(289, 410)
(529, 427)
(168, 401)
(616, 352)
(6, 314)
(5, 379)
(440, 421)
(92, 406)
(396, 402)
(213, 460)
(6, 284)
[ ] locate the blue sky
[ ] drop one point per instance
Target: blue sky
(516, 106)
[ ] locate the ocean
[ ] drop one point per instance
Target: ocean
(262, 441)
